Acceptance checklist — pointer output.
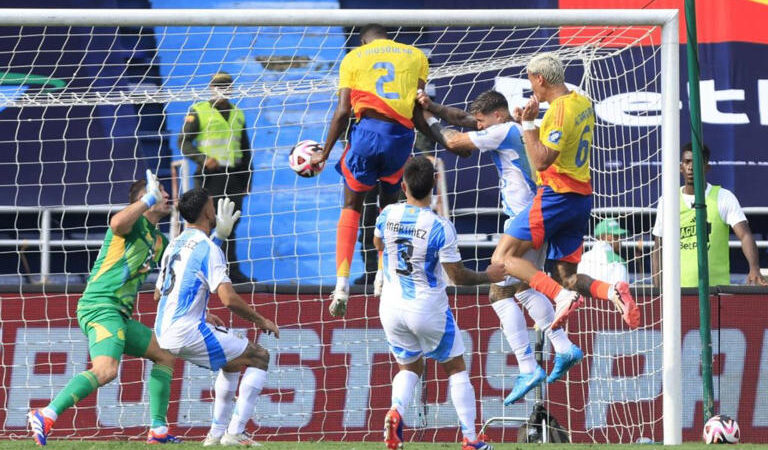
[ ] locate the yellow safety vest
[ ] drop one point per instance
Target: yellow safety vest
(219, 139)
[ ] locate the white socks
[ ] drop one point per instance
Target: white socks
(516, 332)
(403, 386)
(224, 394)
(50, 413)
(542, 312)
(463, 398)
(250, 387)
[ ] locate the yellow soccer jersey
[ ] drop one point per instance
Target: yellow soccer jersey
(384, 76)
(567, 127)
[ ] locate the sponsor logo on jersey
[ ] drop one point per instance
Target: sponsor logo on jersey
(554, 136)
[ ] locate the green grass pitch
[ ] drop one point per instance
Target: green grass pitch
(108, 445)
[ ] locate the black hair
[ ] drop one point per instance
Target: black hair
(373, 29)
(191, 204)
(689, 148)
(419, 176)
(221, 79)
(488, 102)
(135, 190)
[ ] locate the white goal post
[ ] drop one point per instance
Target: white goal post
(669, 82)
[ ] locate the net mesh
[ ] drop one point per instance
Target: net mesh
(84, 110)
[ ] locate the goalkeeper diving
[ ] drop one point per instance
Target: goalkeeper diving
(132, 247)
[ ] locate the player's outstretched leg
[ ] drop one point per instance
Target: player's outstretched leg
(80, 386)
(540, 309)
(223, 403)
(618, 293)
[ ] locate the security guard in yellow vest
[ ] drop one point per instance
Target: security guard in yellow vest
(214, 136)
(723, 211)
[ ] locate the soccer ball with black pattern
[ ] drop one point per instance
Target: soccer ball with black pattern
(721, 429)
(300, 156)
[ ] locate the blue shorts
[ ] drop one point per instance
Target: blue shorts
(377, 151)
(560, 219)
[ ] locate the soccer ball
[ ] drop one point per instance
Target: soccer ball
(720, 429)
(300, 156)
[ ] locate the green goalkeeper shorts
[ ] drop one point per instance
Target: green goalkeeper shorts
(112, 334)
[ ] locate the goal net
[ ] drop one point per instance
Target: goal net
(85, 108)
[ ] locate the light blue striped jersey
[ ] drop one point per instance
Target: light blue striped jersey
(192, 267)
(416, 241)
(505, 143)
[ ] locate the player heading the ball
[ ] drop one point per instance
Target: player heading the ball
(378, 80)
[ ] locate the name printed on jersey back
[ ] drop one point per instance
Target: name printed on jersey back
(405, 229)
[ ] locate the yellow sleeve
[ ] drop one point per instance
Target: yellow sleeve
(424, 73)
(551, 130)
(346, 73)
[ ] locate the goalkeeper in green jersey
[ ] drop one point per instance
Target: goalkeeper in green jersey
(132, 247)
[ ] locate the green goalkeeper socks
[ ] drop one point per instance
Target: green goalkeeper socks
(159, 394)
(79, 387)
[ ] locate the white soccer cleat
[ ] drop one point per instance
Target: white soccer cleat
(378, 283)
(238, 440)
(338, 307)
(565, 306)
(211, 440)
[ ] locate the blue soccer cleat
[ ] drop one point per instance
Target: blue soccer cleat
(564, 361)
(157, 438)
(524, 383)
(40, 426)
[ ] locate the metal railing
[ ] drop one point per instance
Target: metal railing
(44, 241)
(489, 240)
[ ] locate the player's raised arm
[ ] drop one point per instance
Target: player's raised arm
(152, 193)
(454, 141)
(541, 156)
(237, 305)
(454, 116)
(338, 124)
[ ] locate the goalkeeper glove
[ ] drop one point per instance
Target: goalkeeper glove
(153, 194)
(226, 216)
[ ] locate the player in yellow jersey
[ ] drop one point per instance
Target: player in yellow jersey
(378, 81)
(559, 214)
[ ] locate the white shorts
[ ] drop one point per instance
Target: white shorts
(537, 257)
(413, 334)
(216, 347)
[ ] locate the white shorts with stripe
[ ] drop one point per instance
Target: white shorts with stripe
(215, 347)
(411, 334)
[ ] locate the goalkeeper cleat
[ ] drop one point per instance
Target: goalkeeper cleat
(623, 300)
(378, 283)
(338, 307)
(565, 307)
(238, 440)
(393, 430)
(477, 444)
(524, 383)
(564, 361)
(211, 440)
(157, 438)
(40, 426)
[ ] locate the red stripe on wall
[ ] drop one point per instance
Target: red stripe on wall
(716, 21)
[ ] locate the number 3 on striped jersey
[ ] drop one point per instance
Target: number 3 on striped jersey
(404, 255)
(386, 78)
(582, 154)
